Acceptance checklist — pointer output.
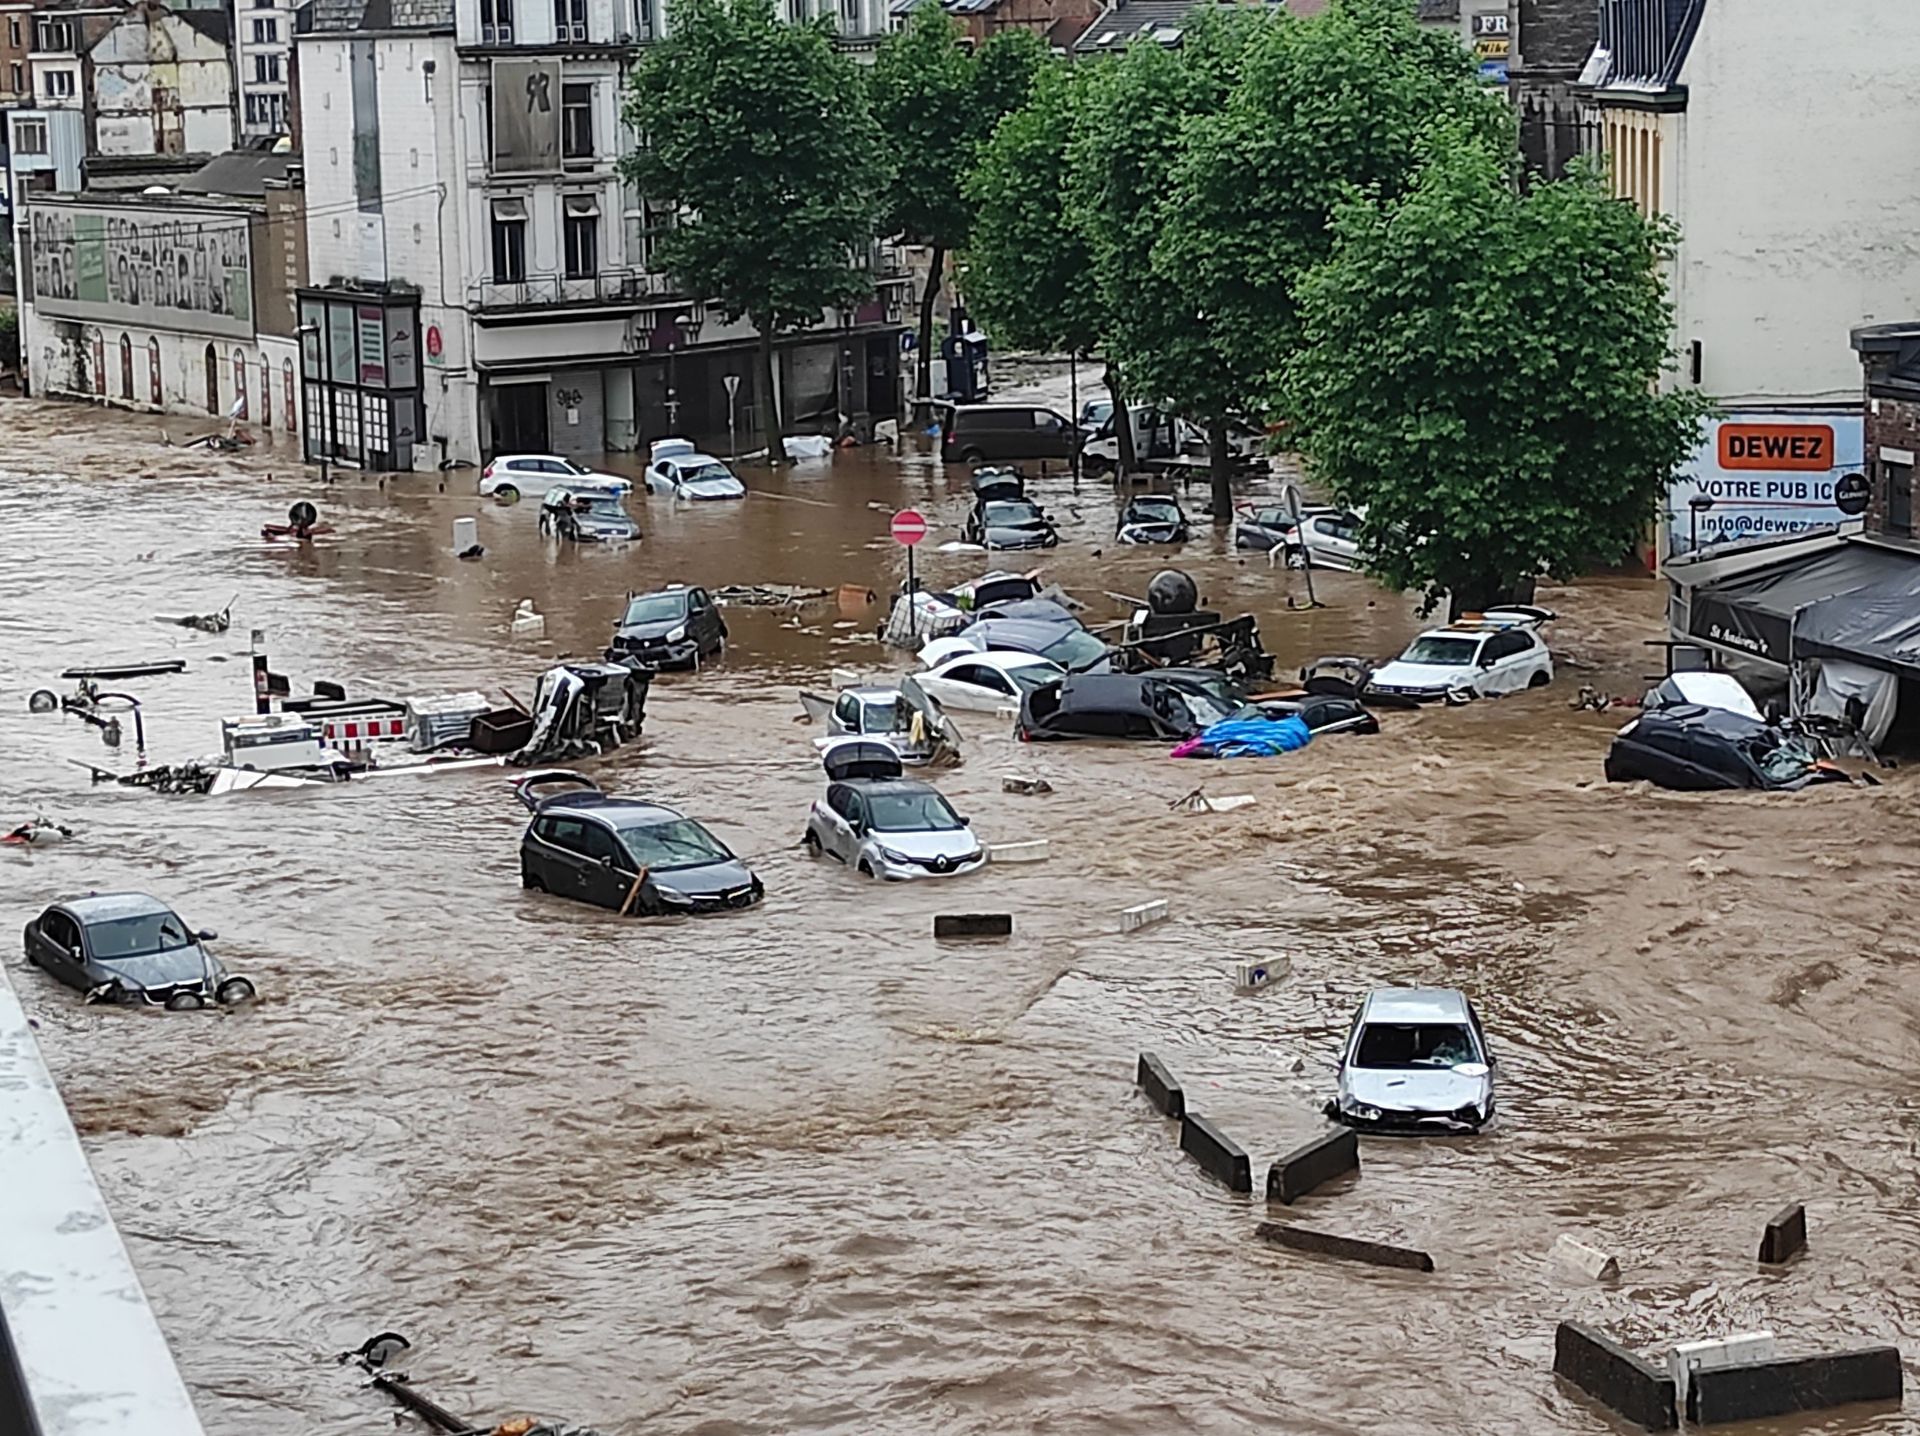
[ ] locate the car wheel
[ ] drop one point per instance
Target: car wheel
(1540, 679)
(1294, 559)
(811, 842)
(186, 1002)
(866, 868)
(972, 456)
(531, 883)
(506, 494)
(235, 990)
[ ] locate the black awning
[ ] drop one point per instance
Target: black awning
(1754, 613)
(1879, 626)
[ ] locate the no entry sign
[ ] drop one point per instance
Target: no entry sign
(909, 527)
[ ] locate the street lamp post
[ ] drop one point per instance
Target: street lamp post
(1697, 505)
(306, 332)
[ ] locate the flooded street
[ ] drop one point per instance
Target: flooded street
(800, 1170)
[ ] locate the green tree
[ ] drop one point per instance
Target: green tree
(1123, 158)
(1322, 106)
(759, 131)
(1480, 369)
(937, 104)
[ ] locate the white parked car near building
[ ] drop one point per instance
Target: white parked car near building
(1478, 656)
(678, 469)
(959, 676)
(511, 475)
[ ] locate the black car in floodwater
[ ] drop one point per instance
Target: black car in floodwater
(128, 947)
(631, 855)
(1009, 523)
(1153, 518)
(675, 627)
(1110, 705)
(1697, 749)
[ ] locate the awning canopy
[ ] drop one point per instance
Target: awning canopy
(1755, 613)
(1879, 626)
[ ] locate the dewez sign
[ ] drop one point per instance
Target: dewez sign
(1768, 474)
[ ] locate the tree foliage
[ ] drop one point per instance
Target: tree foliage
(759, 131)
(1321, 107)
(1479, 368)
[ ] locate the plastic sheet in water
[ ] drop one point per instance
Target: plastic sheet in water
(1247, 738)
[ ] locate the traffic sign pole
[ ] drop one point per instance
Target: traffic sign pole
(909, 527)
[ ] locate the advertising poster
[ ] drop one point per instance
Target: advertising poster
(1768, 475)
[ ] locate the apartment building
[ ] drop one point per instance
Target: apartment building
(159, 81)
(262, 64)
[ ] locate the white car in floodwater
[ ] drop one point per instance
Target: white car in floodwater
(1476, 656)
(961, 677)
(678, 469)
(1415, 1061)
(509, 476)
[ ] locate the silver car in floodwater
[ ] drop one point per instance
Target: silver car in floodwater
(1416, 1061)
(884, 825)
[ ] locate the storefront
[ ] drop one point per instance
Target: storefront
(360, 377)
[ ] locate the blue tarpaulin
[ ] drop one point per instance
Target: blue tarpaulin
(1247, 738)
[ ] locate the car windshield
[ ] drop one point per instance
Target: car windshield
(1404, 1045)
(886, 717)
(1155, 511)
(1009, 513)
(1439, 649)
(655, 607)
(1074, 649)
(137, 936)
(1273, 518)
(922, 812)
(712, 469)
(681, 843)
(1210, 708)
(573, 468)
(1034, 675)
(1096, 411)
(605, 505)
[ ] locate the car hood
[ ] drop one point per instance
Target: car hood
(163, 969)
(658, 629)
(1415, 1090)
(709, 880)
(713, 488)
(1402, 674)
(602, 527)
(948, 842)
(1017, 536)
(1150, 530)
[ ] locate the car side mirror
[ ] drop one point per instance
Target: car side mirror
(1486, 660)
(966, 822)
(607, 861)
(206, 934)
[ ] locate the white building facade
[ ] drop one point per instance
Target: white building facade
(162, 83)
(462, 178)
(262, 66)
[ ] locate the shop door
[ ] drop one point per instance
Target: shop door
(520, 419)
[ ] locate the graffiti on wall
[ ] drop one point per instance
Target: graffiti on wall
(190, 272)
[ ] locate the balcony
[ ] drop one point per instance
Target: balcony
(622, 289)
(502, 41)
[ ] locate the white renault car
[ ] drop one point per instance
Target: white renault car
(511, 475)
(1415, 1061)
(1476, 656)
(678, 469)
(883, 825)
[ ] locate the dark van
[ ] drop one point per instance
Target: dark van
(1004, 433)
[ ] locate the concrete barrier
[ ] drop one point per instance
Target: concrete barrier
(1785, 1236)
(1320, 1161)
(1300, 1239)
(973, 924)
(1741, 1349)
(1034, 850)
(1161, 1086)
(1144, 913)
(1615, 1377)
(1217, 1153)
(1590, 1261)
(1252, 976)
(1755, 1390)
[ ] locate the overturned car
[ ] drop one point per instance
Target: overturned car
(1696, 749)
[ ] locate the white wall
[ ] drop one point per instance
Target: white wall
(253, 92)
(1797, 169)
(138, 56)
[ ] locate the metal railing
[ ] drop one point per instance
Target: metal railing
(539, 291)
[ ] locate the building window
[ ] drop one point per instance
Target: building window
(796, 10)
(582, 236)
(496, 22)
(266, 69)
(126, 368)
(30, 137)
(570, 20)
(18, 76)
(54, 35)
(850, 16)
(576, 122)
(13, 32)
(268, 112)
(60, 84)
(266, 32)
(509, 241)
(644, 11)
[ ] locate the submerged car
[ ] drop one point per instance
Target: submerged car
(1705, 690)
(1696, 749)
(1322, 713)
(679, 470)
(959, 676)
(904, 716)
(631, 855)
(1112, 705)
(128, 947)
(672, 627)
(1478, 656)
(588, 511)
(1153, 518)
(512, 475)
(883, 825)
(1009, 523)
(1064, 640)
(1415, 1061)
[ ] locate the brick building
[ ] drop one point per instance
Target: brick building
(1890, 355)
(1552, 41)
(1058, 22)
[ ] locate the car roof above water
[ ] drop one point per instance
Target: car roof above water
(106, 907)
(1415, 1005)
(605, 805)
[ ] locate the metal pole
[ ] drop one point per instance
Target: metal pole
(913, 610)
(258, 647)
(1073, 411)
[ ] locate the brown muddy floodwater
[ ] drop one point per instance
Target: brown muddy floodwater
(800, 1170)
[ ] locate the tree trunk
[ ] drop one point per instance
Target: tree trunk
(769, 399)
(1220, 467)
(923, 357)
(1122, 424)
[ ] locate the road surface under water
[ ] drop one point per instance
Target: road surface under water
(800, 1170)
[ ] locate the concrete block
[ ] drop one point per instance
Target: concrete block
(1232, 802)
(1217, 1153)
(1161, 1086)
(1590, 1261)
(1344, 1248)
(1615, 1377)
(1320, 1161)
(1252, 976)
(1756, 1390)
(1785, 1236)
(1143, 913)
(1034, 850)
(1694, 1356)
(1012, 783)
(973, 924)
(466, 533)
